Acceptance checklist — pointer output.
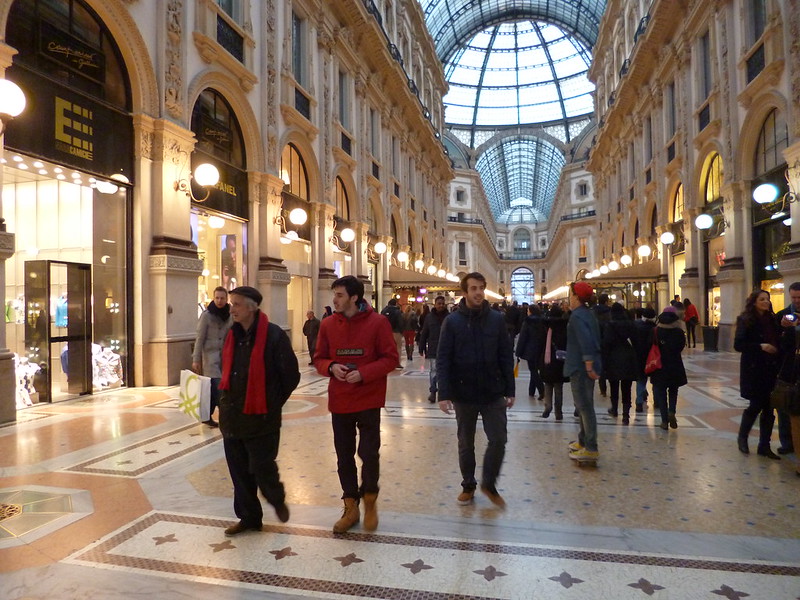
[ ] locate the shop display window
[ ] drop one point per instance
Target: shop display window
(222, 246)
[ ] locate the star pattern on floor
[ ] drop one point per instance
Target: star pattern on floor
(647, 587)
(283, 553)
(730, 593)
(490, 573)
(417, 566)
(566, 580)
(164, 539)
(220, 546)
(348, 560)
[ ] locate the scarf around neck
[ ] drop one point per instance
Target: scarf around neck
(223, 313)
(255, 402)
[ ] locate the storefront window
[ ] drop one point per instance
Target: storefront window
(222, 246)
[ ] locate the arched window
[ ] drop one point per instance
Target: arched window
(342, 202)
(217, 129)
(772, 141)
(522, 240)
(293, 172)
(678, 205)
(522, 285)
(713, 182)
(653, 220)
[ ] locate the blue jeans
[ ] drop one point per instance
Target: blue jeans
(666, 405)
(583, 396)
(641, 391)
(430, 363)
(495, 422)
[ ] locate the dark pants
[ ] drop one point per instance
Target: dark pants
(666, 399)
(616, 385)
(785, 430)
(312, 345)
(759, 407)
(251, 463)
(214, 395)
(368, 423)
(691, 339)
(536, 385)
(495, 420)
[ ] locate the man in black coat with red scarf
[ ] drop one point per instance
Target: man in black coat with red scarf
(259, 373)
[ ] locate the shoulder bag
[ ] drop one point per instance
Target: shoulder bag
(654, 356)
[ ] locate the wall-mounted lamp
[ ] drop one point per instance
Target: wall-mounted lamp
(603, 269)
(432, 269)
(704, 221)
(379, 248)
(768, 196)
(441, 273)
(339, 242)
(296, 216)
(12, 102)
(644, 251)
(402, 256)
(205, 174)
(626, 260)
(667, 238)
(419, 263)
(613, 265)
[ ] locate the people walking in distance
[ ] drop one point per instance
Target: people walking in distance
(355, 348)
(259, 373)
(644, 340)
(582, 365)
(475, 363)
(757, 337)
(328, 312)
(666, 380)
(619, 359)
(311, 330)
(602, 310)
(429, 342)
(212, 328)
(789, 317)
(512, 318)
(529, 348)
(551, 362)
(410, 326)
(691, 318)
(392, 312)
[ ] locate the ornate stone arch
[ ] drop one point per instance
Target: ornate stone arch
(704, 156)
(229, 89)
(341, 171)
(751, 127)
(381, 223)
(298, 138)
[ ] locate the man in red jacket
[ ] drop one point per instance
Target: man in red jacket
(356, 349)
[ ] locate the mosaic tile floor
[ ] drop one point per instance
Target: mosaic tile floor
(119, 496)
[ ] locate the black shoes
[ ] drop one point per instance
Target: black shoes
(282, 512)
(613, 413)
(743, 448)
(783, 450)
(768, 453)
(626, 420)
(559, 416)
(241, 527)
(546, 413)
(432, 397)
(211, 423)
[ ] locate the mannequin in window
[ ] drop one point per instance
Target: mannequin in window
(61, 311)
(228, 263)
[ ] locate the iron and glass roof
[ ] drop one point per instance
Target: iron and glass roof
(513, 65)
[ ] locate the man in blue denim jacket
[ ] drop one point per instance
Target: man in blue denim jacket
(583, 368)
(475, 364)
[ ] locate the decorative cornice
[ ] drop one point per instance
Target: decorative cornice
(175, 264)
(173, 75)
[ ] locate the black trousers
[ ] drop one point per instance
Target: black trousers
(368, 423)
(251, 463)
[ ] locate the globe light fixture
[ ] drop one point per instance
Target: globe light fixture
(766, 193)
(402, 256)
(626, 260)
(644, 251)
(704, 221)
(667, 237)
(613, 265)
(380, 248)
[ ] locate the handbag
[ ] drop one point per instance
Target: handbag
(195, 395)
(653, 362)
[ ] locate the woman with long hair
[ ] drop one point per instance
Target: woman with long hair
(672, 374)
(757, 337)
(691, 318)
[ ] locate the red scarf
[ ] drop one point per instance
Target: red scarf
(255, 402)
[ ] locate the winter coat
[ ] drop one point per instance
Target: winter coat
(410, 321)
(619, 354)
(281, 375)
(395, 317)
(475, 359)
(366, 341)
(208, 342)
(642, 344)
(671, 341)
(583, 342)
(311, 328)
(553, 372)
(790, 364)
(429, 336)
(757, 369)
(531, 338)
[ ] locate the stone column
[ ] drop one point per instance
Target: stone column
(322, 229)
(8, 378)
(732, 277)
(272, 278)
(169, 286)
(789, 263)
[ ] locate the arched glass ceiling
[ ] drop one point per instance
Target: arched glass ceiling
(515, 63)
(519, 73)
(520, 175)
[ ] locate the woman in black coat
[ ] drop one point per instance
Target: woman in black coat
(757, 337)
(671, 375)
(551, 364)
(619, 359)
(529, 347)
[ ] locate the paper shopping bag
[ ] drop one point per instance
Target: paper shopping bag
(195, 394)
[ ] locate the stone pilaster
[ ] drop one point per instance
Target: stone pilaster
(272, 277)
(8, 379)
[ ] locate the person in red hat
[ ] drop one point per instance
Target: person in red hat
(583, 367)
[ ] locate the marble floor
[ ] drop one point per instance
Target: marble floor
(120, 495)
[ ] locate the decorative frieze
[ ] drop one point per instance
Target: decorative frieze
(173, 76)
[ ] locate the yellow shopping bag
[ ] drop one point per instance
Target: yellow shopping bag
(195, 394)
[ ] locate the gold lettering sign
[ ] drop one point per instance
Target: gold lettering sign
(79, 58)
(228, 188)
(73, 129)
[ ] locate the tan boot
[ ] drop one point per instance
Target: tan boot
(370, 512)
(350, 516)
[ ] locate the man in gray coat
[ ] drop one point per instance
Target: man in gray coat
(212, 328)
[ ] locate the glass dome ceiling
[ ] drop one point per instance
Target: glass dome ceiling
(516, 65)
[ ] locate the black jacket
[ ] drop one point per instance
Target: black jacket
(431, 328)
(531, 338)
(619, 353)
(790, 364)
(671, 341)
(757, 369)
(282, 377)
(644, 340)
(475, 359)
(392, 312)
(553, 372)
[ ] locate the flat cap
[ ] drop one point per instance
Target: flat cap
(247, 292)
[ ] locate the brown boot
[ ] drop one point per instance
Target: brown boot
(370, 512)
(350, 516)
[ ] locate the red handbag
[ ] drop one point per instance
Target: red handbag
(654, 356)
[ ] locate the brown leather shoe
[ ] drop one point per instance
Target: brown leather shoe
(370, 512)
(241, 527)
(350, 516)
(491, 493)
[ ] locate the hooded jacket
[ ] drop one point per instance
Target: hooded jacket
(431, 328)
(366, 341)
(671, 341)
(475, 359)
